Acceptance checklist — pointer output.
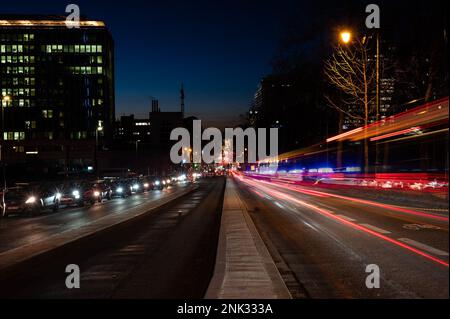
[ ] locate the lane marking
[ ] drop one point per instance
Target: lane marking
(420, 226)
(430, 249)
(347, 218)
(380, 230)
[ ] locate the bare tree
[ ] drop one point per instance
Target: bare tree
(351, 71)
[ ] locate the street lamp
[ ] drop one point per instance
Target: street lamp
(346, 36)
(5, 98)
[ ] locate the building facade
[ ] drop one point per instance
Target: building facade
(59, 89)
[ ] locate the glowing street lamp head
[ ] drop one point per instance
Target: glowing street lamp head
(346, 37)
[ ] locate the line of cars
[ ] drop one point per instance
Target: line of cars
(34, 198)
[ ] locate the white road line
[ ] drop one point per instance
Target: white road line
(374, 228)
(430, 249)
(347, 218)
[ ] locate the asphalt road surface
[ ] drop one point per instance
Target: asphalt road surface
(323, 244)
(168, 254)
(19, 230)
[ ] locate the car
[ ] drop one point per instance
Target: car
(14, 201)
(158, 183)
(121, 188)
(76, 193)
(166, 181)
(147, 184)
(99, 190)
(136, 186)
(30, 199)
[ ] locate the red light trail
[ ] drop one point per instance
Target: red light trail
(331, 215)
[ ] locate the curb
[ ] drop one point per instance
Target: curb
(220, 272)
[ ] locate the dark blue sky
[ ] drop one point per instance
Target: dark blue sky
(219, 48)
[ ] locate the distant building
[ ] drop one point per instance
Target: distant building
(162, 124)
(61, 87)
(131, 129)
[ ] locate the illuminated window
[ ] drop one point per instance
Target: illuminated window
(16, 136)
(48, 114)
(99, 59)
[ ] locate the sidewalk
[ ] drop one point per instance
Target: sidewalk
(244, 268)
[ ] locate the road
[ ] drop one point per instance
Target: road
(168, 254)
(16, 231)
(322, 243)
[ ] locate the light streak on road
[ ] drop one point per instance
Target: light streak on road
(331, 215)
(356, 200)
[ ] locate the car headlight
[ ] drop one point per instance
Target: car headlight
(136, 186)
(30, 200)
(146, 185)
(119, 189)
(164, 182)
(168, 181)
(76, 193)
(96, 193)
(157, 183)
(58, 195)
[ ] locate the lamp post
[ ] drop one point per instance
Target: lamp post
(137, 143)
(4, 98)
(345, 37)
(99, 128)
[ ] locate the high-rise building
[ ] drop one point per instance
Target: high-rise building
(60, 87)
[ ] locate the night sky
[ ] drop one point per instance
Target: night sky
(218, 49)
